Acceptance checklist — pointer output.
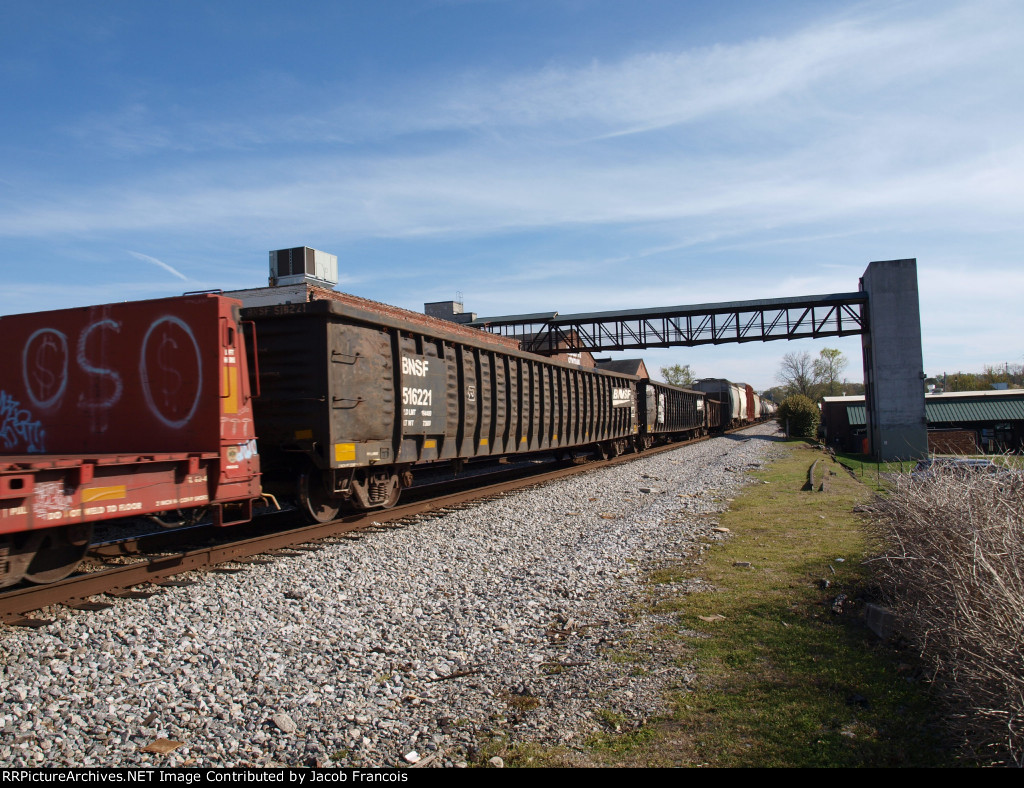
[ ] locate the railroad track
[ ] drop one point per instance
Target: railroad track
(152, 561)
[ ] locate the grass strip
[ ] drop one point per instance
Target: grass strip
(877, 475)
(872, 473)
(788, 674)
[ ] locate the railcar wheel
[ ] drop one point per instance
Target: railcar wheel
(314, 499)
(59, 553)
(19, 549)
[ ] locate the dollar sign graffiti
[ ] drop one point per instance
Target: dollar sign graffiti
(168, 388)
(46, 381)
(172, 393)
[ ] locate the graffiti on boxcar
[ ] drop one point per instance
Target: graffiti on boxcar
(170, 368)
(50, 501)
(171, 371)
(108, 393)
(239, 425)
(44, 367)
(241, 453)
(17, 428)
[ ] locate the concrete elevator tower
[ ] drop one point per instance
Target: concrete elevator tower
(893, 362)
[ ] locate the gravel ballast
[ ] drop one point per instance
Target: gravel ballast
(509, 620)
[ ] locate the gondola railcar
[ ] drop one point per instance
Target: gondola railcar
(351, 400)
(670, 413)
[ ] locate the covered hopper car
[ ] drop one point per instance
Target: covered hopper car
(732, 398)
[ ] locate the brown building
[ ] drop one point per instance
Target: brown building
(532, 343)
(624, 366)
(961, 422)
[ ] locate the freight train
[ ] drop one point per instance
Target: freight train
(740, 404)
(153, 409)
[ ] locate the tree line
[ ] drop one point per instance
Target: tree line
(799, 373)
(813, 377)
(1012, 375)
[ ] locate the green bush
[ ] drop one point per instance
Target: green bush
(801, 414)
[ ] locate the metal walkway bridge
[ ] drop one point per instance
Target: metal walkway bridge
(890, 332)
(815, 316)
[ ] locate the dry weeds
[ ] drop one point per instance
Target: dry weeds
(954, 574)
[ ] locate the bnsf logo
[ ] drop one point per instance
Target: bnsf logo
(417, 367)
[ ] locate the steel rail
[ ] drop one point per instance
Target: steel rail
(75, 591)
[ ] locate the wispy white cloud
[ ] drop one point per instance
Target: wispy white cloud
(876, 56)
(827, 71)
(857, 120)
(656, 90)
(472, 193)
(159, 264)
(129, 130)
(888, 128)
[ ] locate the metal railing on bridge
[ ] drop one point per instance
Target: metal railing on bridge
(816, 316)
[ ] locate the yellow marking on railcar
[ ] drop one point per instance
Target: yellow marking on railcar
(344, 452)
(303, 435)
(231, 387)
(104, 493)
(483, 441)
(429, 444)
(522, 439)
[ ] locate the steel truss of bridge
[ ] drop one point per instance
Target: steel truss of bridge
(835, 315)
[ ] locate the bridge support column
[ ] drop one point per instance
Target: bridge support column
(893, 362)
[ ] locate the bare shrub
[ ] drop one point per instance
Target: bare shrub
(954, 571)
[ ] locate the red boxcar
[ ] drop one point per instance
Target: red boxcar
(115, 411)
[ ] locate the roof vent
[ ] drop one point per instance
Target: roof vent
(302, 264)
(451, 311)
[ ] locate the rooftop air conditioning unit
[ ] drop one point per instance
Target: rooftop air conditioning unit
(302, 264)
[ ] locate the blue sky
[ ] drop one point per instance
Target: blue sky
(565, 155)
